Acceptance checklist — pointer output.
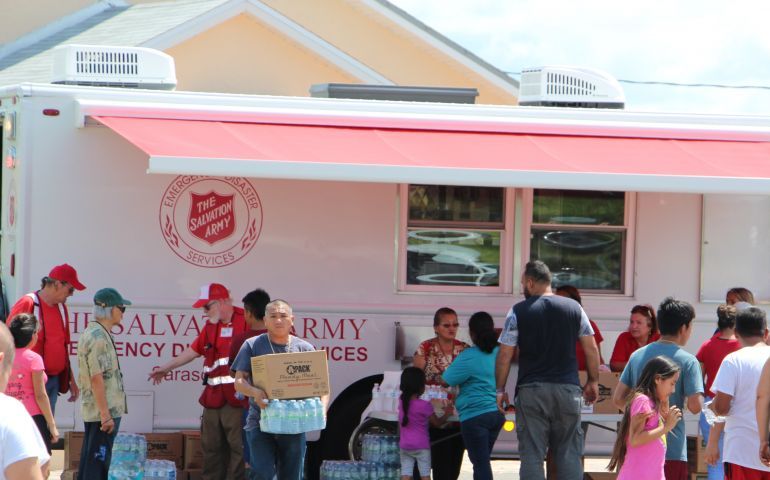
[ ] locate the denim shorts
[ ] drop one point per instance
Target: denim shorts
(422, 457)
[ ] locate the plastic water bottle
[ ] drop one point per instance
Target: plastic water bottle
(320, 418)
(294, 414)
(279, 420)
(376, 398)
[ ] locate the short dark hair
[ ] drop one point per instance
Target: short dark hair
(23, 326)
(726, 316)
(255, 302)
(674, 314)
(538, 271)
(440, 313)
(482, 330)
(751, 322)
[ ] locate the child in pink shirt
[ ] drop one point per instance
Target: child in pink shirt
(414, 415)
(27, 381)
(640, 449)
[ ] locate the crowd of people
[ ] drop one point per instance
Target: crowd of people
(548, 334)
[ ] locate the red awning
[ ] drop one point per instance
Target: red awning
(442, 156)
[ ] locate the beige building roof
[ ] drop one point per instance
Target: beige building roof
(278, 47)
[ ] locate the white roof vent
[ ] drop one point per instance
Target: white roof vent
(558, 86)
(103, 66)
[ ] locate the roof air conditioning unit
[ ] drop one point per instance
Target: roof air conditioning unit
(123, 67)
(557, 86)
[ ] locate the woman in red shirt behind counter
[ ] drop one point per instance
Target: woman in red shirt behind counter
(572, 292)
(642, 330)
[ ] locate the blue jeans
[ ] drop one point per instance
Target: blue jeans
(276, 454)
(96, 452)
(548, 417)
(714, 472)
(52, 389)
(479, 434)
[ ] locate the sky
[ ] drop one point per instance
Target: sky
(680, 41)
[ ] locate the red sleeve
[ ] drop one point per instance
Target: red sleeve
(620, 353)
(423, 349)
(23, 305)
(597, 334)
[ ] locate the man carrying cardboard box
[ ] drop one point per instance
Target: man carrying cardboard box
(221, 423)
(271, 454)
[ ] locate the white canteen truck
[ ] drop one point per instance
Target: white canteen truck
(367, 216)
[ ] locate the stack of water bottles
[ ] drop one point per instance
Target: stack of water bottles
(159, 470)
(129, 452)
(346, 470)
(380, 448)
(292, 416)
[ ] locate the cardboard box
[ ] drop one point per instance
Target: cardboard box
(696, 454)
(73, 444)
(600, 476)
(608, 381)
(165, 446)
(193, 454)
(291, 375)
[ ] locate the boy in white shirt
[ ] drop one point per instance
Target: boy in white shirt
(23, 455)
(736, 384)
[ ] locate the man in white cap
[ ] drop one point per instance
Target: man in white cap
(221, 423)
(49, 306)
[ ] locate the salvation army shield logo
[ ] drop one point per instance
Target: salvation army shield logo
(210, 222)
(211, 217)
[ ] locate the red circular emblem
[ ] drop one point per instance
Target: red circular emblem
(210, 222)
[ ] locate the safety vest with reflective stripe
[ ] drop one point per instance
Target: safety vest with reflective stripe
(219, 386)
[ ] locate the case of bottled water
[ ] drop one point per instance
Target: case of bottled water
(129, 452)
(293, 416)
(347, 470)
(379, 448)
(159, 470)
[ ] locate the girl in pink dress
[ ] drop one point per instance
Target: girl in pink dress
(27, 382)
(640, 449)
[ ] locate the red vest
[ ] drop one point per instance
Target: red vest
(53, 337)
(214, 344)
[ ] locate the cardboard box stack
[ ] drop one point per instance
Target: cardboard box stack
(696, 455)
(182, 448)
(608, 382)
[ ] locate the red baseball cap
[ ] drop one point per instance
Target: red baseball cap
(66, 273)
(211, 291)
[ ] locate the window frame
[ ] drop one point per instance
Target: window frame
(629, 246)
(506, 246)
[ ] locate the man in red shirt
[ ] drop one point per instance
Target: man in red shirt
(221, 422)
(48, 305)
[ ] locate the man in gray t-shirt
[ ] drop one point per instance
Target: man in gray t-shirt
(271, 454)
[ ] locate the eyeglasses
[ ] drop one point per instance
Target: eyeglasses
(448, 325)
(122, 308)
(208, 306)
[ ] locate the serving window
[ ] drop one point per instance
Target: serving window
(583, 236)
(461, 238)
